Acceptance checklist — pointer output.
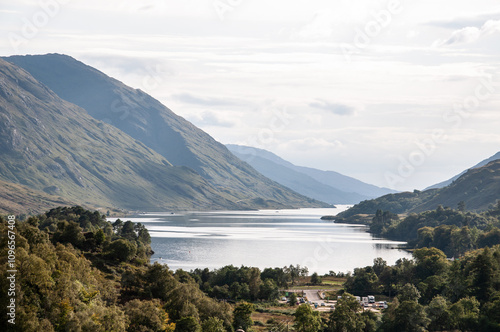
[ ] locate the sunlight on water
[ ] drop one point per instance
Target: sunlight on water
(266, 238)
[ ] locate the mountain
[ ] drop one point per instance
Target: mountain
(152, 124)
(327, 186)
(50, 145)
(17, 199)
(478, 188)
(482, 163)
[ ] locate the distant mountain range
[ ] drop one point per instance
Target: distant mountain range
(496, 156)
(478, 188)
(149, 159)
(327, 186)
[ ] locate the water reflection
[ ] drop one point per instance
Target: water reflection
(264, 239)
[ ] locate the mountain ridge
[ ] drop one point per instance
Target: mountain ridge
(51, 145)
(478, 188)
(449, 181)
(154, 126)
(328, 186)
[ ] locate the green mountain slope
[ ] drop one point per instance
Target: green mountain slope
(17, 199)
(327, 186)
(148, 121)
(478, 188)
(51, 145)
(496, 156)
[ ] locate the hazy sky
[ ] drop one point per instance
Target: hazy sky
(400, 94)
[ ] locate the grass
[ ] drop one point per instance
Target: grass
(328, 283)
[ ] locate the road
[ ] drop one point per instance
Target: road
(312, 295)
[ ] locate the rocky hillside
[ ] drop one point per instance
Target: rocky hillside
(51, 145)
(152, 124)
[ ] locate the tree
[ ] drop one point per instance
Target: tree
(306, 319)
(465, 314)
(293, 299)
(438, 313)
(409, 293)
(429, 262)
(346, 316)
(147, 316)
(492, 314)
(379, 265)
(69, 232)
(490, 238)
(269, 290)
(485, 275)
(122, 250)
(315, 279)
(187, 324)
(382, 221)
(363, 282)
(461, 206)
(254, 282)
(242, 315)
(99, 237)
(213, 324)
(410, 317)
(277, 274)
(293, 272)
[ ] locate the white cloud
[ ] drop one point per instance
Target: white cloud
(210, 119)
(335, 108)
(312, 144)
(198, 99)
(469, 35)
(320, 26)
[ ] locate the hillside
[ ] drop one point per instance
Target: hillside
(327, 186)
(50, 145)
(496, 156)
(396, 203)
(18, 199)
(157, 127)
(478, 188)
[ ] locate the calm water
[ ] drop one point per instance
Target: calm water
(269, 238)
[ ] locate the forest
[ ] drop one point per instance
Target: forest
(79, 272)
(454, 231)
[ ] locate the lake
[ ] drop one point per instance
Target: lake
(266, 238)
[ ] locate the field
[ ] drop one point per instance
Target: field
(267, 313)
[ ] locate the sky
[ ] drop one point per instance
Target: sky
(398, 93)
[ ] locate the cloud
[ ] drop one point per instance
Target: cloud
(469, 21)
(320, 26)
(208, 118)
(311, 143)
(205, 101)
(470, 34)
(335, 108)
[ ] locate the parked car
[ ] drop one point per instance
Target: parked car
(382, 304)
